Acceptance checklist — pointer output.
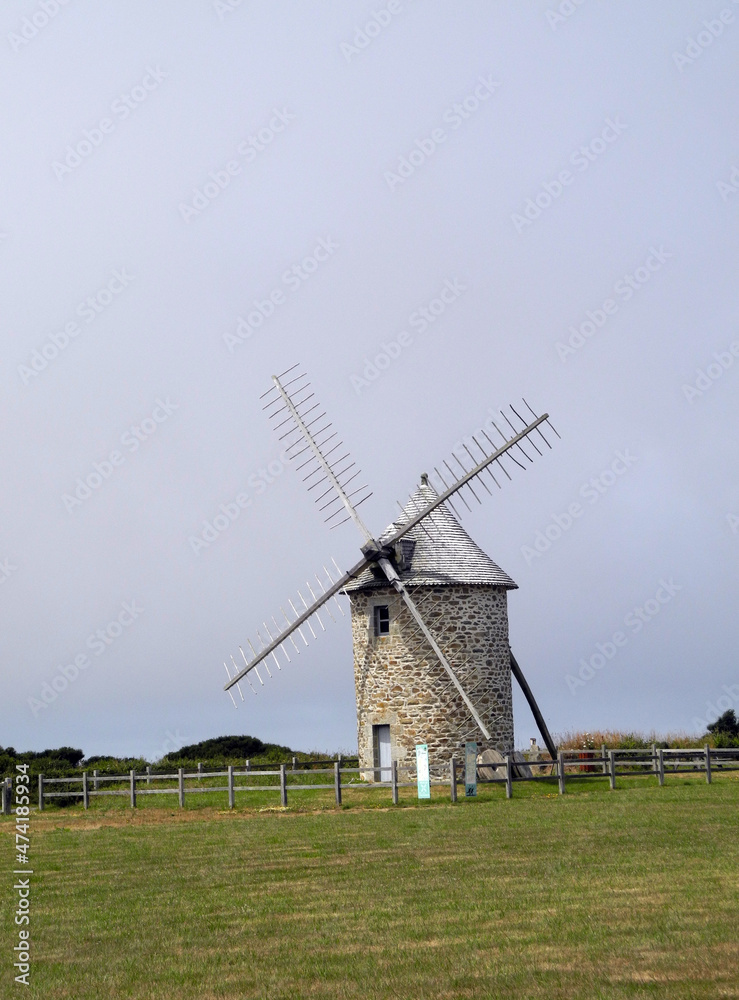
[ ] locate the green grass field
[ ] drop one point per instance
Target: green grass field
(631, 893)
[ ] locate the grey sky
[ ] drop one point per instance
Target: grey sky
(177, 162)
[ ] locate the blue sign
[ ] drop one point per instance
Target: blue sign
(422, 771)
(470, 769)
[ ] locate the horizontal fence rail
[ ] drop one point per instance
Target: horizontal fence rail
(601, 763)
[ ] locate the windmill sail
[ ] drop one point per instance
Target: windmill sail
(492, 458)
(277, 641)
(308, 435)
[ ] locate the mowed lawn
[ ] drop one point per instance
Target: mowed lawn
(631, 893)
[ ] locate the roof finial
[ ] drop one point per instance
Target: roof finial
(424, 479)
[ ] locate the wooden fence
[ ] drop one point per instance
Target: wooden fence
(581, 763)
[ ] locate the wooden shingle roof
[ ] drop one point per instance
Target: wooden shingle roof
(441, 554)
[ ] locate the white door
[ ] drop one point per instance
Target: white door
(385, 758)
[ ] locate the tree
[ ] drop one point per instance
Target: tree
(727, 724)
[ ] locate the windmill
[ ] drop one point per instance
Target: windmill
(429, 617)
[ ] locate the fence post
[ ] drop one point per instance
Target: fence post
(248, 764)
(295, 763)
(394, 781)
(41, 792)
(95, 782)
(604, 755)
(5, 794)
(283, 784)
(453, 778)
(654, 757)
(337, 782)
(708, 764)
(661, 766)
(508, 777)
(231, 793)
(561, 771)
(200, 770)
(148, 774)
(85, 791)
(181, 786)
(133, 788)
(612, 769)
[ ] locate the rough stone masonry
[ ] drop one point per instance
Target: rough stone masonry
(400, 683)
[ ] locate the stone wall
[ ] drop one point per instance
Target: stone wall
(400, 682)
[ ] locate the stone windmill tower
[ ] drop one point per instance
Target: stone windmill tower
(428, 606)
(404, 696)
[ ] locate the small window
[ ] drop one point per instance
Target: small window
(381, 614)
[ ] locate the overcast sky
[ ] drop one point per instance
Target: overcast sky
(197, 194)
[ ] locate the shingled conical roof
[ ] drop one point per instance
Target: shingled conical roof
(441, 554)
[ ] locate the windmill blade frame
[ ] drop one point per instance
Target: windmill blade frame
(468, 477)
(302, 618)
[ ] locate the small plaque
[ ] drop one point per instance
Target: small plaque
(422, 771)
(470, 769)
